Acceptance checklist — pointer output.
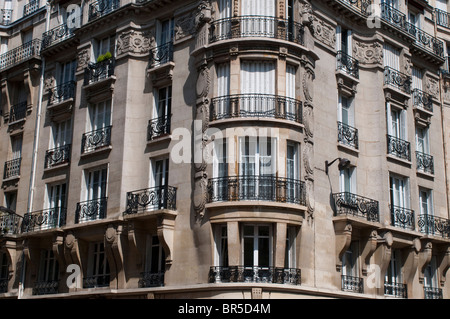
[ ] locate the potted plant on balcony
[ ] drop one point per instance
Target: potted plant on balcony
(104, 57)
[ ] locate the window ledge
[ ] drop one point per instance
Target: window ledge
(96, 151)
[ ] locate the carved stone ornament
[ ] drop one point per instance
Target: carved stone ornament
(324, 32)
(368, 53)
(83, 59)
(185, 26)
(307, 84)
(203, 83)
(432, 87)
(137, 42)
(49, 81)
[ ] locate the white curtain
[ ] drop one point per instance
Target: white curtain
(258, 77)
(223, 88)
(258, 25)
(441, 5)
(391, 56)
(416, 78)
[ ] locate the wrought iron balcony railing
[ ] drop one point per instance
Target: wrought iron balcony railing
(397, 80)
(352, 284)
(161, 55)
(347, 203)
(94, 140)
(264, 188)
(93, 209)
(12, 168)
(9, 223)
(432, 293)
(158, 127)
(30, 7)
(46, 287)
(5, 16)
(347, 135)
(98, 71)
(4, 285)
(257, 274)
(18, 112)
(432, 225)
(57, 156)
(96, 281)
(402, 217)
(99, 8)
(398, 147)
(56, 35)
(425, 162)
(360, 5)
(151, 199)
(442, 18)
(395, 289)
(256, 26)
(422, 100)
(347, 64)
(20, 54)
(256, 106)
(151, 279)
(61, 93)
(45, 219)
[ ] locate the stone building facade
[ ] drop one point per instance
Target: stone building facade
(225, 149)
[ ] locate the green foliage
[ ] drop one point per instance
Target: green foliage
(104, 57)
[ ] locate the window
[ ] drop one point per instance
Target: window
(96, 183)
(393, 273)
(344, 40)
(391, 3)
(292, 171)
(422, 140)
(257, 25)
(11, 200)
(159, 179)
(225, 9)
(165, 31)
(49, 267)
(399, 191)
(220, 161)
(350, 266)
(347, 180)
(16, 147)
(426, 201)
(221, 241)
(257, 245)
(430, 274)
(94, 206)
(396, 122)
(66, 72)
(441, 5)
(291, 110)
(4, 272)
(417, 76)
(290, 260)
(62, 134)
(346, 113)
(391, 56)
(155, 257)
(103, 46)
(223, 91)
(98, 267)
(163, 102)
(100, 115)
(257, 78)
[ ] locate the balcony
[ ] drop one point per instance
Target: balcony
(402, 217)
(99, 71)
(255, 274)
(160, 55)
(399, 148)
(46, 287)
(352, 284)
(89, 210)
(30, 7)
(151, 279)
(394, 289)
(57, 156)
(12, 169)
(397, 80)
(347, 64)
(56, 35)
(347, 203)
(361, 6)
(18, 112)
(256, 106)
(20, 54)
(347, 135)
(155, 198)
(422, 100)
(442, 18)
(425, 163)
(9, 222)
(100, 8)
(256, 188)
(158, 127)
(256, 26)
(432, 225)
(45, 219)
(61, 93)
(95, 140)
(432, 293)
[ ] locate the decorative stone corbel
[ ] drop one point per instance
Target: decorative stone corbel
(411, 261)
(165, 231)
(72, 251)
(444, 264)
(368, 250)
(113, 248)
(58, 251)
(424, 259)
(343, 232)
(134, 243)
(32, 256)
(10, 248)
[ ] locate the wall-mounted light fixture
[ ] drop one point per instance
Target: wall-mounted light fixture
(343, 163)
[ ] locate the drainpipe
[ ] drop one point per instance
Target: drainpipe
(35, 149)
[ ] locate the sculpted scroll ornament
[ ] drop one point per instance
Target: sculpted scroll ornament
(83, 59)
(137, 42)
(368, 53)
(324, 32)
(308, 85)
(432, 87)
